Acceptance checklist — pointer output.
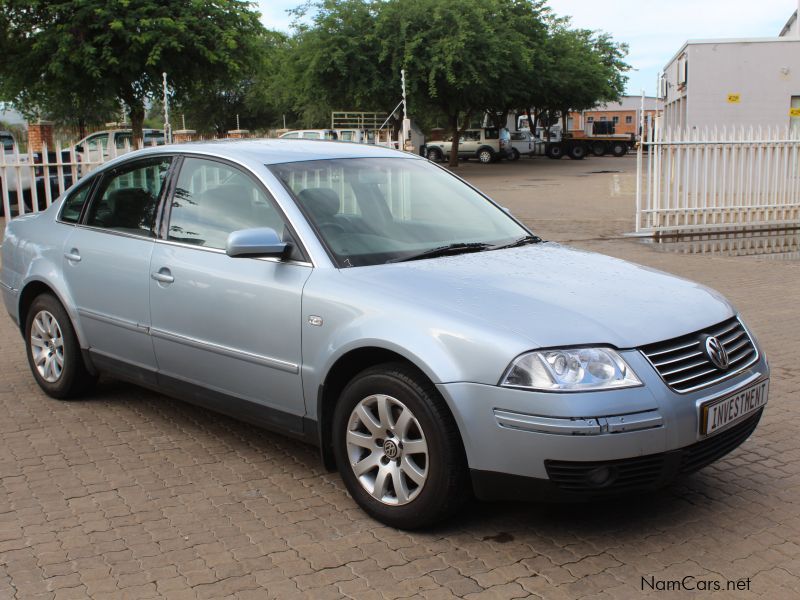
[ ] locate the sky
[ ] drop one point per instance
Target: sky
(654, 30)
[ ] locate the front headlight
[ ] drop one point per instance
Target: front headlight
(570, 370)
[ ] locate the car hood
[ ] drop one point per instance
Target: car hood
(553, 295)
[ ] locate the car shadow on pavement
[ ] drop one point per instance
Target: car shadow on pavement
(158, 417)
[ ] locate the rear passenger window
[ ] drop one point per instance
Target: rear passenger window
(127, 200)
(73, 205)
(213, 199)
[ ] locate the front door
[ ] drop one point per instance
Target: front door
(107, 264)
(227, 330)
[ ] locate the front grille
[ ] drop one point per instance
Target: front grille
(684, 366)
(705, 452)
(651, 471)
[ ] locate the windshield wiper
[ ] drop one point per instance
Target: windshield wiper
(459, 248)
(523, 241)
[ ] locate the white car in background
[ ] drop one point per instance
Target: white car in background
(311, 134)
(120, 140)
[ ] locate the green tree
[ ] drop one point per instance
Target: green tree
(526, 32)
(582, 69)
(212, 108)
(336, 61)
(110, 49)
(457, 54)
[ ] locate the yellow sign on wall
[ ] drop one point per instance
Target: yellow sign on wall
(794, 112)
(734, 98)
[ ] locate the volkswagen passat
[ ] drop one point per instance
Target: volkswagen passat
(371, 303)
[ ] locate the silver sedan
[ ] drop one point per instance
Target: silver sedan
(375, 305)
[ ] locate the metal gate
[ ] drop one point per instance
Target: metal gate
(717, 179)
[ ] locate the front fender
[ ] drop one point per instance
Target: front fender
(440, 343)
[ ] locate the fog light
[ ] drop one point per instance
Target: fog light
(600, 476)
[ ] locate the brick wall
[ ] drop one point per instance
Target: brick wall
(39, 134)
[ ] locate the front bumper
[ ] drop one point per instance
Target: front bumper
(521, 442)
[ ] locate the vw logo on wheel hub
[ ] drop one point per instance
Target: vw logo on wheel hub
(716, 353)
(390, 449)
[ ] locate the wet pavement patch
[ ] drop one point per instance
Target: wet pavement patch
(777, 245)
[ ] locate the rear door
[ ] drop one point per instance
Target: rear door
(107, 263)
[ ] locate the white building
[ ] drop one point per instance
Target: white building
(733, 82)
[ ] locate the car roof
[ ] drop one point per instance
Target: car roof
(275, 151)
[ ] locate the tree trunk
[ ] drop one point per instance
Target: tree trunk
(454, 145)
(564, 119)
(504, 119)
(136, 113)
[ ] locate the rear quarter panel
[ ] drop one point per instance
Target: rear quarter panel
(33, 248)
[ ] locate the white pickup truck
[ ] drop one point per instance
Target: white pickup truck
(524, 144)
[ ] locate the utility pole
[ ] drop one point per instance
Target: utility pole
(167, 128)
(406, 121)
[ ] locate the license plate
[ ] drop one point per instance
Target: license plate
(717, 414)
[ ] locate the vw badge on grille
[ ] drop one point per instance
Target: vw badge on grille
(716, 353)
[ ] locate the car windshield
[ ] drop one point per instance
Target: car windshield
(371, 211)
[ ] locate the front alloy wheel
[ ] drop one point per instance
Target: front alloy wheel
(398, 448)
(387, 449)
(486, 156)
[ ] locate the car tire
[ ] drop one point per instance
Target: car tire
(486, 156)
(398, 448)
(435, 155)
(54, 353)
(599, 148)
(619, 149)
(514, 154)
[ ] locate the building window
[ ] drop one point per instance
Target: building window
(629, 119)
(590, 119)
(615, 119)
(603, 118)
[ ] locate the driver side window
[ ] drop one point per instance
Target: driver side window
(213, 199)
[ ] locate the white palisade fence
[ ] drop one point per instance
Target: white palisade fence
(31, 182)
(717, 179)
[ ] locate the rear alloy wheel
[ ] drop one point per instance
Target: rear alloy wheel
(514, 154)
(619, 149)
(398, 449)
(54, 354)
(485, 156)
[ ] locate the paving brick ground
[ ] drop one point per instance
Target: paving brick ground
(129, 494)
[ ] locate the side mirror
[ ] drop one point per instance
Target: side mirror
(259, 241)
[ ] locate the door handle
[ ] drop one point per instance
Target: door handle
(163, 275)
(73, 255)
